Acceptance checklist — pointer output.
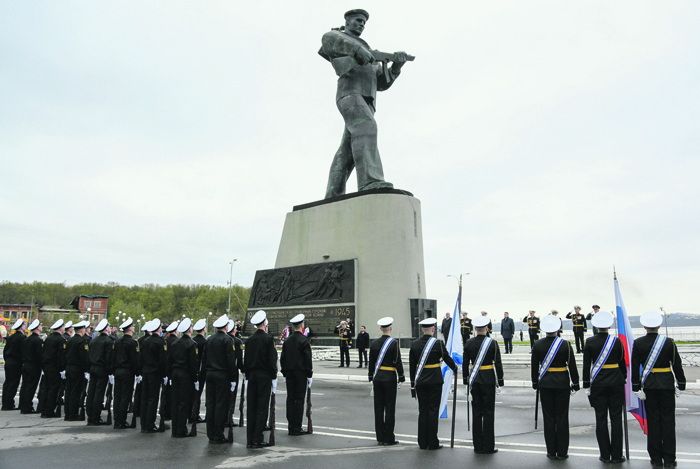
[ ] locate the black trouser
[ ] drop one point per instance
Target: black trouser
(137, 400)
(123, 390)
(30, 381)
(344, 354)
(660, 406)
(183, 391)
(533, 338)
(483, 408)
(49, 393)
(508, 344)
(608, 400)
(13, 375)
(168, 400)
(258, 396)
(555, 414)
(578, 335)
(96, 394)
(384, 410)
(296, 392)
(75, 380)
(150, 388)
(217, 403)
(361, 352)
(428, 408)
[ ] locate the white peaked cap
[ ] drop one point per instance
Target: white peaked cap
(173, 326)
(69, 324)
(299, 318)
(57, 324)
(427, 322)
(155, 324)
(258, 317)
(185, 325)
(221, 322)
(385, 322)
(602, 320)
(199, 325)
(18, 324)
(126, 324)
(102, 325)
(550, 324)
(481, 321)
(230, 325)
(651, 319)
(35, 323)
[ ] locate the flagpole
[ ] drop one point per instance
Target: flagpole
(454, 394)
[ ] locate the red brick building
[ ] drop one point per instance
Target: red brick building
(13, 312)
(96, 303)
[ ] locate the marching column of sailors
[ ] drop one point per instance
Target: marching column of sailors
(187, 364)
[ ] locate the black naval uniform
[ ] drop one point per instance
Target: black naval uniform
(580, 329)
(385, 387)
(260, 369)
(466, 328)
(54, 362)
(201, 342)
(238, 346)
(137, 390)
(607, 393)
(100, 353)
(125, 363)
(533, 328)
(345, 336)
(31, 372)
(184, 363)
(555, 392)
(483, 391)
(169, 341)
(77, 364)
(219, 364)
(590, 318)
(428, 388)
(296, 366)
(13, 369)
(152, 365)
(660, 403)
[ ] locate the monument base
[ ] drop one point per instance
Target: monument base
(382, 231)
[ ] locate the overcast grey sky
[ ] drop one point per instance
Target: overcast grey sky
(153, 142)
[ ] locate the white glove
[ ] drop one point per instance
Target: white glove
(274, 386)
(63, 375)
(170, 382)
(399, 386)
(165, 381)
(498, 390)
(469, 397)
(309, 381)
(233, 386)
(87, 376)
(196, 385)
(111, 379)
(588, 391)
(678, 392)
(640, 394)
(138, 379)
(573, 392)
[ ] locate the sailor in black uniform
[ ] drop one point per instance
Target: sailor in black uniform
(125, 363)
(100, 353)
(219, 365)
(580, 327)
(297, 369)
(13, 364)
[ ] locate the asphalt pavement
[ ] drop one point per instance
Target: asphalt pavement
(343, 423)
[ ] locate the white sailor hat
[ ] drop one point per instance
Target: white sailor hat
(221, 322)
(69, 324)
(172, 327)
(185, 325)
(230, 325)
(385, 322)
(577, 307)
(484, 313)
(298, 319)
(126, 324)
(602, 320)
(428, 322)
(199, 325)
(550, 324)
(480, 321)
(651, 319)
(57, 324)
(555, 312)
(146, 326)
(155, 324)
(18, 324)
(35, 323)
(80, 325)
(258, 317)
(102, 325)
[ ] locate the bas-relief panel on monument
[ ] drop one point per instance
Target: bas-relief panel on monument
(320, 320)
(322, 284)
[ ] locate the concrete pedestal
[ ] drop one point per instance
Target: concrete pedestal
(383, 232)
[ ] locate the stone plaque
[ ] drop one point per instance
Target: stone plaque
(320, 320)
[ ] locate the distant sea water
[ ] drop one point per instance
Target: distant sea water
(685, 333)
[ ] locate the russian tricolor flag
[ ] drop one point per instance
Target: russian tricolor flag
(624, 332)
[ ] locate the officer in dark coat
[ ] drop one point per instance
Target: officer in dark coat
(607, 387)
(54, 366)
(77, 366)
(362, 344)
(466, 326)
(152, 364)
(591, 315)
(125, 363)
(383, 374)
(219, 364)
(31, 368)
(483, 386)
(13, 364)
(657, 390)
(533, 328)
(580, 327)
(428, 385)
(170, 339)
(184, 362)
(261, 371)
(101, 372)
(238, 344)
(201, 342)
(555, 385)
(345, 336)
(297, 369)
(507, 332)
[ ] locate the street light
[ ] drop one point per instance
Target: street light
(665, 318)
(230, 286)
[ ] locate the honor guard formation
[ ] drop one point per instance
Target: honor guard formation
(161, 376)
